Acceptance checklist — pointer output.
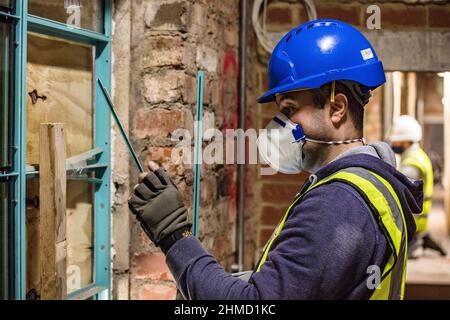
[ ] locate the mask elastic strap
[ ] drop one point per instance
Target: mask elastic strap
(333, 90)
(337, 142)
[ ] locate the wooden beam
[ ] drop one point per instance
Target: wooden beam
(411, 99)
(52, 193)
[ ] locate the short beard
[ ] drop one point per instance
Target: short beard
(316, 153)
(314, 157)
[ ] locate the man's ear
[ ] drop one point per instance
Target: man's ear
(339, 109)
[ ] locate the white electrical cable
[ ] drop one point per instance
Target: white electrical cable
(265, 16)
(266, 42)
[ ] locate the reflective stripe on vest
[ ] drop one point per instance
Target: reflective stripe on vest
(419, 159)
(387, 210)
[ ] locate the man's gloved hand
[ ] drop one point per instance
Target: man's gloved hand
(159, 207)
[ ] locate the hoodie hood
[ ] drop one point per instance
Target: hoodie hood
(378, 149)
(379, 158)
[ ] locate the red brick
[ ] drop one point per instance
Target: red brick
(439, 16)
(400, 15)
(163, 156)
(347, 13)
(270, 216)
(279, 15)
(278, 193)
(167, 16)
(160, 123)
(152, 266)
(158, 292)
(295, 179)
(264, 236)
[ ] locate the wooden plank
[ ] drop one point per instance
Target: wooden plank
(32, 236)
(80, 235)
(428, 270)
(411, 102)
(52, 193)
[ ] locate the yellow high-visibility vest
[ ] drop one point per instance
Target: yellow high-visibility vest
(385, 205)
(418, 158)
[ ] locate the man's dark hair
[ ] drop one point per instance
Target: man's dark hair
(357, 96)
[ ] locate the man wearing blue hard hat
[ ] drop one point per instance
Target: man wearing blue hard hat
(346, 234)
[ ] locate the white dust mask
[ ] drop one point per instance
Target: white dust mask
(280, 144)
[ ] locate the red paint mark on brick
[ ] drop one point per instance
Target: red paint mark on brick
(229, 98)
(229, 101)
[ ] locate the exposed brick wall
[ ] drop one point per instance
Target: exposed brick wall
(171, 41)
(283, 15)
(120, 159)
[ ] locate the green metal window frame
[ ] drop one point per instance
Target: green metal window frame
(6, 154)
(24, 23)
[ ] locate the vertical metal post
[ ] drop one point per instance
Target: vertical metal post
(19, 155)
(241, 124)
(102, 218)
(198, 152)
(7, 140)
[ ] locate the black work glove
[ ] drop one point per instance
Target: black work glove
(159, 207)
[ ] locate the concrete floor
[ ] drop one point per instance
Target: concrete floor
(428, 277)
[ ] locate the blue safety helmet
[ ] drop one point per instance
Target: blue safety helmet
(321, 51)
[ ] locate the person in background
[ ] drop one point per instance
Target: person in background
(415, 164)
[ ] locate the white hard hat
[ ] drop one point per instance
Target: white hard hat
(406, 128)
